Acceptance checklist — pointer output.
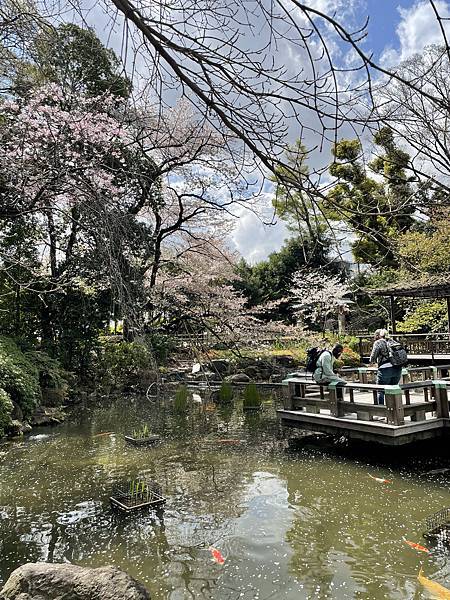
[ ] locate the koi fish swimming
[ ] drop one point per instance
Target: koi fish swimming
(217, 555)
(380, 479)
(103, 433)
(436, 589)
(416, 546)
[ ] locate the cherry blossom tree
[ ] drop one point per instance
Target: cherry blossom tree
(199, 299)
(108, 190)
(316, 294)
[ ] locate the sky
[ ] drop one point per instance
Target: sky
(397, 30)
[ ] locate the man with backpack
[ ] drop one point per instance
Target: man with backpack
(323, 364)
(390, 357)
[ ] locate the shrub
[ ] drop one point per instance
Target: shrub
(252, 397)
(162, 346)
(425, 318)
(6, 407)
(181, 396)
(123, 364)
(51, 374)
(350, 358)
(226, 392)
(19, 376)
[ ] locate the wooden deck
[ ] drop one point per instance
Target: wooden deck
(413, 411)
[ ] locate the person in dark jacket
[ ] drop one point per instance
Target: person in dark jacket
(387, 374)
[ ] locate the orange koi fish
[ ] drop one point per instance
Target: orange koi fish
(436, 589)
(217, 555)
(104, 433)
(380, 479)
(416, 546)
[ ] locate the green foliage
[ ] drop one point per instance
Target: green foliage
(19, 376)
(428, 250)
(162, 345)
(252, 397)
(294, 207)
(225, 392)
(6, 407)
(75, 59)
(142, 433)
(348, 341)
(350, 358)
(376, 210)
(181, 397)
(121, 364)
(427, 317)
(51, 374)
(271, 279)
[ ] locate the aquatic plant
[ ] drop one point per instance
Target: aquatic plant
(141, 434)
(252, 397)
(225, 392)
(181, 396)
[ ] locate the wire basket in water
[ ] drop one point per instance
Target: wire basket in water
(137, 494)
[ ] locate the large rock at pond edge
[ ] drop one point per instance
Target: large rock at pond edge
(286, 360)
(48, 415)
(238, 378)
(45, 581)
(219, 365)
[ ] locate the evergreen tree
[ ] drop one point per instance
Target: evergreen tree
(377, 210)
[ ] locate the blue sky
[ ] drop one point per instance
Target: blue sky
(384, 18)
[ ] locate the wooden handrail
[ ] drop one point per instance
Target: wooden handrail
(397, 399)
(350, 385)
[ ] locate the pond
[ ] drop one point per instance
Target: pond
(291, 524)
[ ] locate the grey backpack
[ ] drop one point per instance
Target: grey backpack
(397, 353)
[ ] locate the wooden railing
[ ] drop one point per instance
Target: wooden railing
(416, 343)
(409, 374)
(338, 400)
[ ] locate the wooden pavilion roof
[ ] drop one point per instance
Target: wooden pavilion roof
(432, 287)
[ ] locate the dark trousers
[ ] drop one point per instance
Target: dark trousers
(387, 376)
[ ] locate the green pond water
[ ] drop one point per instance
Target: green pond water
(300, 524)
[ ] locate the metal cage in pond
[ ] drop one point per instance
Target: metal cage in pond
(136, 495)
(438, 527)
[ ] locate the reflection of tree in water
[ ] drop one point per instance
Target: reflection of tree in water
(64, 484)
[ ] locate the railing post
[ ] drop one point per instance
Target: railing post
(336, 397)
(394, 405)
(288, 393)
(440, 394)
(405, 376)
(362, 374)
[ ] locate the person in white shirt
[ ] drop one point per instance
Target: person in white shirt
(387, 374)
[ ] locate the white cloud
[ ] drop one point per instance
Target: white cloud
(418, 28)
(254, 239)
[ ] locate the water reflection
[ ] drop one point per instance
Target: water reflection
(290, 524)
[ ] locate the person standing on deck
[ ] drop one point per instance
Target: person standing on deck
(324, 372)
(387, 374)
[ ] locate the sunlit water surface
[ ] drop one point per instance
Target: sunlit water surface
(290, 524)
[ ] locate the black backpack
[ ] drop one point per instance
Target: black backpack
(312, 355)
(397, 353)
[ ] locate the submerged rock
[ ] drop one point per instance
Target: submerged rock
(44, 581)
